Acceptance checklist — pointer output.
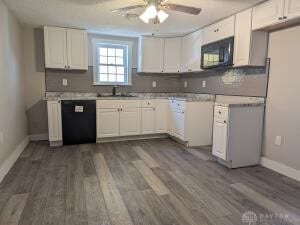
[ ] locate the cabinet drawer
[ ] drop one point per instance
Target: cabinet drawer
(130, 104)
(149, 103)
(221, 112)
(108, 104)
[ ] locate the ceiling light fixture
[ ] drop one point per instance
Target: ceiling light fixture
(151, 13)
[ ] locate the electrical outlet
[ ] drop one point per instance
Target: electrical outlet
(154, 84)
(1, 138)
(278, 140)
(185, 84)
(65, 82)
(204, 83)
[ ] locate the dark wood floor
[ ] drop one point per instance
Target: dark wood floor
(152, 182)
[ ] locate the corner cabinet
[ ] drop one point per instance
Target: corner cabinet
(65, 48)
(191, 52)
(54, 122)
(151, 55)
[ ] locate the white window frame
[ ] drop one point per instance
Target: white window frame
(97, 41)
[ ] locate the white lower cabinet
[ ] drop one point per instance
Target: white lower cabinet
(148, 120)
(54, 121)
(220, 138)
(108, 121)
(130, 121)
(161, 116)
(179, 122)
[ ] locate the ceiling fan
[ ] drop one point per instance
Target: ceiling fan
(154, 12)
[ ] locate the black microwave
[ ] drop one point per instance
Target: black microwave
(217, 54)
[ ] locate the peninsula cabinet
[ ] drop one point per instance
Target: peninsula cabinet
(274, 12)
(65, 48)
(191, 122)
(54, 122)
(191, 52)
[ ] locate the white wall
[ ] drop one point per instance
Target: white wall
(12, 101)
(283, 103)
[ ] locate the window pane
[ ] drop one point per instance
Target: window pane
(103, 77)
(103, 60)
(103, 51)
(120, 78)
(112, 77)
(112, 70)
(119, 61)
(111, 52)
(111, 60)
(103, 69)
(119, 52)
(120, 70)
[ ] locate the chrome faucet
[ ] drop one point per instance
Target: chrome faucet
(114, 90)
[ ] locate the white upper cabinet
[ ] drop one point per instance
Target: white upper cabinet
(268, 13)
(219, 30)
(55, 47)
(292, 9)
(172, 55)
(191, 52)
(66, 48)
(151, 55)
(77, 49)
(250, 48)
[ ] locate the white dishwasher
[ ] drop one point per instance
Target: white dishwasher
(237, 133)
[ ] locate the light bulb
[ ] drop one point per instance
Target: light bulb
(162, 16)
(151, 11)
(144, 17)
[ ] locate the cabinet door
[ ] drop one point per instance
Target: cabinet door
(161, 116)
(148, 120)
(171, 118)
(77, 49)
(172, 55)
(267, 14)
(54, 120)
(292, 9)
(191, 52)
(179, 121)
(151, 51)
(220, 140)
(219, 31)
(55, 47)
(242, 41)
(107, 123)
(130, 121)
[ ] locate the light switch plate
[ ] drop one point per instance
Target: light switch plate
(1, 138)
(278, 140)
(185, 84)
(154, 84)
(65, 82)
(204, 83)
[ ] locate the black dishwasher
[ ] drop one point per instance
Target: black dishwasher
(79, 121)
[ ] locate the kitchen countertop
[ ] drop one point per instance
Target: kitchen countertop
(238, 101)
(53, 96)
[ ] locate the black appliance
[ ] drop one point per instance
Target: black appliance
(217, 54)
(78, 121)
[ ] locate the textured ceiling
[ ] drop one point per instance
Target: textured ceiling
(95, 15)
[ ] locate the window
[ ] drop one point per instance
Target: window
(112, 62)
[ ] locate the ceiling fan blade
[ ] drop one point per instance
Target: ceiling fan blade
(182, 8)
(127, 8)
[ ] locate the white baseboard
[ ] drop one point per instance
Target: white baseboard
(280, 168)
(39, 137)
(8, 163)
